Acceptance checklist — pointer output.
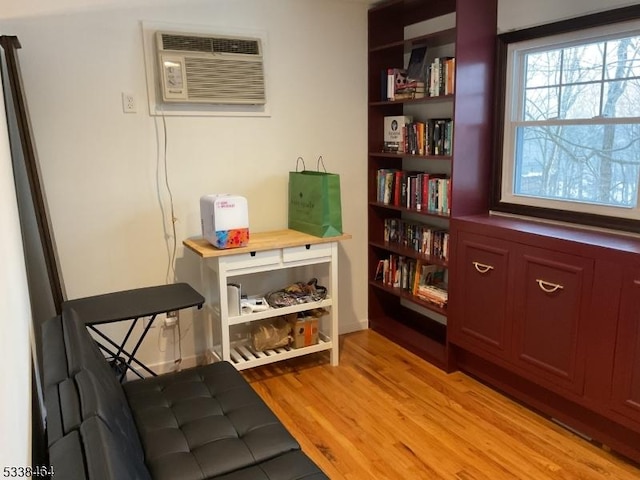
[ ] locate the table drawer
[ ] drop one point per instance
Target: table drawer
(306, 252)
(253, 259)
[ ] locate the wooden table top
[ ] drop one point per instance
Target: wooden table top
(260, 241)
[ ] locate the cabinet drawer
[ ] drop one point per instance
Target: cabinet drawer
(626, 372)
(483, 276)
(306, 252)
(253, 259)
(551, 305)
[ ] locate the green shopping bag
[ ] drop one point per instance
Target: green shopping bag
(314, 201)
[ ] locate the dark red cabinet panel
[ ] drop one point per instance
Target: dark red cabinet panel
(626, 373)
(522, 305)
(551, 298)
(482, 271)
(554, 321)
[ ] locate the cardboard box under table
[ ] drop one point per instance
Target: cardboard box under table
(304, 332)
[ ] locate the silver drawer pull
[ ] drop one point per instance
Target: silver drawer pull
(481, 267)
(549, 287)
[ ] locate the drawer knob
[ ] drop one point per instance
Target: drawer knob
(548, 287)
(481, 267)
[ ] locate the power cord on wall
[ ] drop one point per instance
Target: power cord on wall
(172, 249)
(173, 246)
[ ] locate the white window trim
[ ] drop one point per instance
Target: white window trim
(513, 111)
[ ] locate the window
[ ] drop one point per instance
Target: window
(570, 148)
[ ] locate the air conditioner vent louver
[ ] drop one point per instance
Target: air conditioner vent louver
(245, 47)
(183, 43)
(210, 69)
(189, 43)
(220, 79)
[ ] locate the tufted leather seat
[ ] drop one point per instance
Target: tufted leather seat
(204, 422)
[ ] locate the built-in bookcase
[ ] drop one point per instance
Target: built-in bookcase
(466, 31)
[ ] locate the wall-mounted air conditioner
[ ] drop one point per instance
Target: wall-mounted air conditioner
(215, 69)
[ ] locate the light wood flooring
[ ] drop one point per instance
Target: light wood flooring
(384, 413)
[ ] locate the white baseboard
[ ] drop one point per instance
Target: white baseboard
(355, 326)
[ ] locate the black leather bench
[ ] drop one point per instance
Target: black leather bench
(200, 423)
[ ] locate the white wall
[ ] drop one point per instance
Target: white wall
(518, 14)
(101, 167)
(15, 356)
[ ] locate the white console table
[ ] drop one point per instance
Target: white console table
(270, 261)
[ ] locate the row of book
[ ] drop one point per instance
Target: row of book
(414, 190)
(417, 236)
(442, 73)
(437, 79)
(404, 135)
(423, 280)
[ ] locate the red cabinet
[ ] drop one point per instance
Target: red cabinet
(626, 370)
(551, 315)
(522, 305)
(551, 297)
(482, 276)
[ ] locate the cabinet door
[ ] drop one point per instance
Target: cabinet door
(551, 299)
(626, 374)
(480, 320)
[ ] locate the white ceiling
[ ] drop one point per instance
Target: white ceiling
(26, 8)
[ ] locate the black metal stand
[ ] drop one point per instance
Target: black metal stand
(131, 305)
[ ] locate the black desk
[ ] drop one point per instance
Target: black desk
(132, 305)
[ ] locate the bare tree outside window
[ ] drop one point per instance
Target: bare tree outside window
(577, 126)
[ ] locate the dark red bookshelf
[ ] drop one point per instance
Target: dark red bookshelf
(472, 40)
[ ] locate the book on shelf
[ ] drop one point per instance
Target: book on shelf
(442, 76)
(388, 187)
(436, 194)
(439, 136)
(416, 138)
(390, 232)
(394, 127)
(420, 237)
(396, 79)
(402, 134)
(395, 85)
(436, 294)
(379, 275)
(411, 89)
(429, 284)
(420, 191)
(396, 271)
(450, 75)
(422, 280)
(381, 183)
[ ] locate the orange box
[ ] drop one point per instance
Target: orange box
(305, 332)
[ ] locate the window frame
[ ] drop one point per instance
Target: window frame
(573, 26)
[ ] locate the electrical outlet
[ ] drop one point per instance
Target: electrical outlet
(171, 319)
(128, 103)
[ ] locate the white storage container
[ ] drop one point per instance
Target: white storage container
(225, 220)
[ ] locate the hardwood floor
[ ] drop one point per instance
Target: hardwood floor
(384, 413)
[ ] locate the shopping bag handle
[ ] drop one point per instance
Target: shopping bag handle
(298, 160)
(321, 161)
